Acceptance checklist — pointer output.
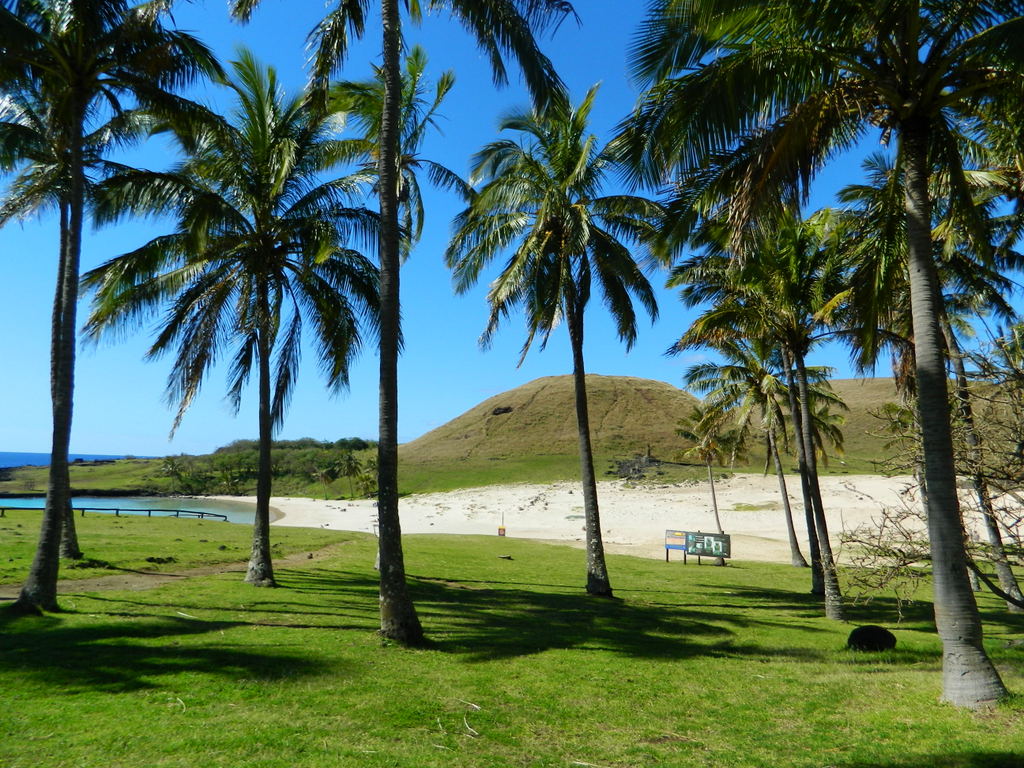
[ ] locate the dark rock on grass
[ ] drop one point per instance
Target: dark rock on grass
(89, 562)
(871, 637)
(160, 560)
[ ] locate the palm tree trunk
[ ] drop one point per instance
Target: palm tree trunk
(833, 595)
(817, 572)
(796, 557)
(398, 619)
(597, 572)
(69, 548)
(1004, 572)
(39, 592)
(260, 572)
(968, 676)
(714, 507)
(714, 497)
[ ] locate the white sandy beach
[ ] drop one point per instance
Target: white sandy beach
(633, 518)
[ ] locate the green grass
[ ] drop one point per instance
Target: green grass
(692, 666)
(743, 507)
(141, 475)
(434, 476)
(125, 542)
(474, 472)
(144, 476)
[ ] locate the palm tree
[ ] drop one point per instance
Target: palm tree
(349, 466)
(501, 28)
(325, 470)
(805, 81)
(260, 249)
(362, 102)
(749, 381)
(73, 65)
(712, 443)
(785, 285)
(541, 199)
(974, 282)
(28, 145)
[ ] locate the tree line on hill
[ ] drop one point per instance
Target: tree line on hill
(742, 103)
(297, 465)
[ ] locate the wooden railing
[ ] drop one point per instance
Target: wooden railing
(137, 512)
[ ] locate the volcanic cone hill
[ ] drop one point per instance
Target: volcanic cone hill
(528, 434)
(627, 415)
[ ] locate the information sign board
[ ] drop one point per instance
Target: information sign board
(708, 544)
(675, 540)
(698, 543)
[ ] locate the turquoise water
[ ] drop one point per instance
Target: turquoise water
(236, 511)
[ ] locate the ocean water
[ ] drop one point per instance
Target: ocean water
(237, 512)
(9, 459)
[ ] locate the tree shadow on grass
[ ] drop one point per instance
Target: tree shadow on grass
(127, 656)
(947, 760)
(274, 608)
(888, 611)
(797, 604)
(492, 620)
(879, 610)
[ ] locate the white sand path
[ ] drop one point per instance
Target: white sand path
(633, 518)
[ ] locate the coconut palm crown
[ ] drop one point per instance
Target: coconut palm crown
(501, 28)
(541, 203)
(361, 104)
(70, 76)
(263, 247)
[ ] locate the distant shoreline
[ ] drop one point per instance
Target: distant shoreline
(14, 459)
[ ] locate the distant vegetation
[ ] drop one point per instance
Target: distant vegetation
(303, 467)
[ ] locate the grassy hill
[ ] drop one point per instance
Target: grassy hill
(529, 433)
(864, 449)
(627, 415)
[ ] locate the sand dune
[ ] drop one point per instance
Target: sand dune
(633, 518)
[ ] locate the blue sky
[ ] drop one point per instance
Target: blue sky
(119, 404)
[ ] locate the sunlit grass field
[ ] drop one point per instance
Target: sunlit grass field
(118, 544)
(689, 666)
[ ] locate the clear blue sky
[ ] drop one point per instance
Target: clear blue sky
(119, 405)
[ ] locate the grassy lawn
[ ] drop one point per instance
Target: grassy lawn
(125, 543)
(692, 666)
